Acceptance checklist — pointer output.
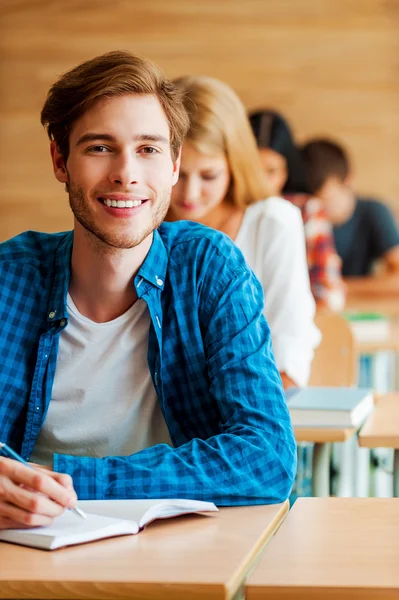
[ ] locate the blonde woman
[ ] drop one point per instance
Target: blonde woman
(222, 185)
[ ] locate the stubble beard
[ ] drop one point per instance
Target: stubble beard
(112, 240)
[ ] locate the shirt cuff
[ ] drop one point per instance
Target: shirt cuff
(86, 473)
(294, 356)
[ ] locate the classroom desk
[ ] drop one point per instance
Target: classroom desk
(322, 437)
(381, 430)
(388, 306)
(335, 548)
(388, 344)
(188, 557)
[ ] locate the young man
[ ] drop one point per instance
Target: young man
(364, 229)
(136, 360)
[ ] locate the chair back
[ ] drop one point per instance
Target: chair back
(335, 359)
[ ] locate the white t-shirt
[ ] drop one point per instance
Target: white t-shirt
(103, 400)
(271, 238)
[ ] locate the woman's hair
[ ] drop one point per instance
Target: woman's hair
(273, 132)
(219, 124)
(113, 74)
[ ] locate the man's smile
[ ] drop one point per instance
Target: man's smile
(122, 203)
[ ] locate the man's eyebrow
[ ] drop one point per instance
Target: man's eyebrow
(106, 137)
(151, 137)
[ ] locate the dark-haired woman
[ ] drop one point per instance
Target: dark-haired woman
(282, 162)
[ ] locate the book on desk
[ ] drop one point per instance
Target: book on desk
(105, 518)
(329, 406)
(368, 326)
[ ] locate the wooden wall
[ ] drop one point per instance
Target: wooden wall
(331, 66)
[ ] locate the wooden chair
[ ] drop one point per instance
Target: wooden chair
(335, 364)
(335, 360)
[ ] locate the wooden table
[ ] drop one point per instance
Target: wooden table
(387, 344)
(390, 343)
(188, 557)
(387, 306)
(322, 437)
(335, 548)
(381, 430)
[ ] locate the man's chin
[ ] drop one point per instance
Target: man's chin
(118, 242)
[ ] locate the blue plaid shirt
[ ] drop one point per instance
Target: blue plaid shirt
(210, 359)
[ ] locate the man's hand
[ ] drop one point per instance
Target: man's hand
(32, 497)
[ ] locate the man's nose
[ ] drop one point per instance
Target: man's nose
(125, 170)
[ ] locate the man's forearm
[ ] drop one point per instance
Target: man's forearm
(247, 467)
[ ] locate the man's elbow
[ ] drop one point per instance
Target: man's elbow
(278, 483)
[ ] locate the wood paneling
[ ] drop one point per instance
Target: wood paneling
(331, 66)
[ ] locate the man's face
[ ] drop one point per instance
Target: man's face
(337, 198)
(119, 171)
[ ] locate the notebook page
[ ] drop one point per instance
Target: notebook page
(69, 529)
(70, 524)
(144, 511)
(131, 510)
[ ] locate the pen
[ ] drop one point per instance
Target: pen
(12, 454)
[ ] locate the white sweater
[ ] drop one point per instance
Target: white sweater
(271, 238)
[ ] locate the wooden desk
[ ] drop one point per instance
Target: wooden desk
(335, 548)
(388, 344)
(192, 557)
(381, 430)
(388, 306)
(322, 437)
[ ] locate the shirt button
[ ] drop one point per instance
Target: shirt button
(159, 281)
(51, 314)
(62, 322)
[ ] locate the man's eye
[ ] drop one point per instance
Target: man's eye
(149, 150)
(99, 148)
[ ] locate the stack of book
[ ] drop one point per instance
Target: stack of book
(368, 327)
(329, 406)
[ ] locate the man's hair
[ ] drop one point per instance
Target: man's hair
(219, 125)
(113, 74)
(324, 158)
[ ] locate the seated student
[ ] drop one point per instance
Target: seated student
(364, 229)
(222, 185)
(136, 358)
(283, 165)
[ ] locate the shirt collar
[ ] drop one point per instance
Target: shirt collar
(153, 271)
(57, 307)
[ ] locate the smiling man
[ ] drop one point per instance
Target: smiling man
(136, 362)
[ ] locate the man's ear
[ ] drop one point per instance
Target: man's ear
(176, 168)
(59, 166)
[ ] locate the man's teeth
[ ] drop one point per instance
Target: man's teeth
(122, 203)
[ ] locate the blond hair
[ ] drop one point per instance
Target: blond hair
(113, 74)
(219, 124)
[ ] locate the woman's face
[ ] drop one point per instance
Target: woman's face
(275, 167)
(203, 184)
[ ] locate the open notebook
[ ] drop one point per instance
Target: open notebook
(105, 518)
